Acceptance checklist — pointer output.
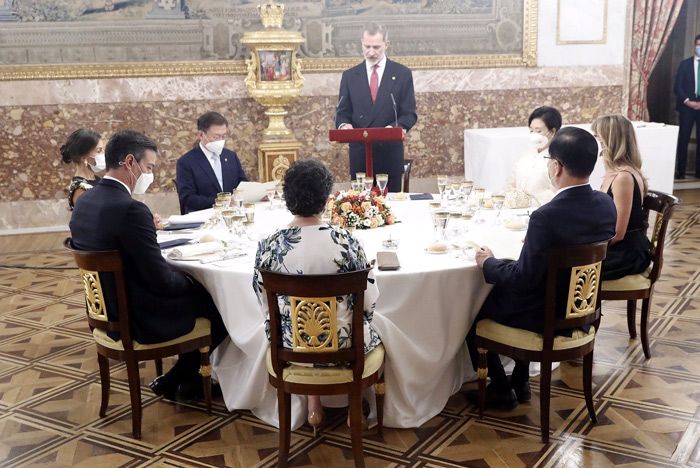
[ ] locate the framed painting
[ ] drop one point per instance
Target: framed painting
(63, 39)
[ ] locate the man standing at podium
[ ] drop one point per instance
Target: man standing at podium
(377, 93)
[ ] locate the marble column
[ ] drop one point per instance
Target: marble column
(167, 9)
(6, 11)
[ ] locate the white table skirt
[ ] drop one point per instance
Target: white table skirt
(490, 155)
(423, 314)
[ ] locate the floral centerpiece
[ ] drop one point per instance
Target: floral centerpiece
(359, 210)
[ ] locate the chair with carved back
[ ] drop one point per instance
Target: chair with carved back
(407, 165)
(630, 288)
(98, 267)
(583, 264)
(313, 301)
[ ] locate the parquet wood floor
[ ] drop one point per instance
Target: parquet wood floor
(649, 412)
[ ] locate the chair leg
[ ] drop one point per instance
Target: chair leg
(644, 326)
(205, 372)
(587, 385)
(356, 426)
(482, 373)
(104, 383)
(284, 407)
(379, 390)
(159, 366)
(132, 371)
(545, 384)
(631, 314)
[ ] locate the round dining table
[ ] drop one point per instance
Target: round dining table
(423, 313)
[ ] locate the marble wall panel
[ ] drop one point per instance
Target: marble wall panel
(30, 167)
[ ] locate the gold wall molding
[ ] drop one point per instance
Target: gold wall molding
(528, 58)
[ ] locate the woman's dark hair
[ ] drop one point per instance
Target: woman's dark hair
(307, 185)
(549, 115)
(79, 145)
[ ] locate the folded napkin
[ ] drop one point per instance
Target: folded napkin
(201, 216)
(187, 252)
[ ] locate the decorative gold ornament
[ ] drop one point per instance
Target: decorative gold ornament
(274, 76)
(583, 290)
(94, 298)
(205, 371)
(314, 325)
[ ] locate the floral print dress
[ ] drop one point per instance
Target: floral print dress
(320, 249)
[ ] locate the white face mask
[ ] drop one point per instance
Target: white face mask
(216, 147)
(142, 182)
(697, 51)
(538, 140)
(100, 164)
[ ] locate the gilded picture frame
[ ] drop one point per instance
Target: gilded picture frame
(439, 40)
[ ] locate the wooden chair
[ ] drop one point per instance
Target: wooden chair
(93, 268)
(407, 165)
(177, 192)
(641, 286)
(313, 300)
(582, 309)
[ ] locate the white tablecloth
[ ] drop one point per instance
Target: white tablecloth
(423, 314)
(490, 155)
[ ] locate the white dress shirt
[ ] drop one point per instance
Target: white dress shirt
(380, 70)
(215, 162)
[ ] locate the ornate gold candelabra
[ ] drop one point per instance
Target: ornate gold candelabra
(274, 80)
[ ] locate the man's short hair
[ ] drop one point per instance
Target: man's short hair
(208, 119)
(127, 142)
(376, 28)
(576, 150)
(697, 38)
(549, 115)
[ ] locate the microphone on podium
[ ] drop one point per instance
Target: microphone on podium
(393, 101)
(337, 108)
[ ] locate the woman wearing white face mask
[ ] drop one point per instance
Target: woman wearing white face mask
(530, 171)
(84, 150)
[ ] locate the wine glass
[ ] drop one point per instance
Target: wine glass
(367, 183)
(382, 180)
(440, 219)
(249, 212)
(279, 191)
(228, 217)
(238, 219)
(224, 197)
(359, 181)
(479, 197)
(441, 183)
(467, 186)
(271, 196)
(498, 201)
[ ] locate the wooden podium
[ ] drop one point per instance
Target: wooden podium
(367, 136)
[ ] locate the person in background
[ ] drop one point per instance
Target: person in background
(164, 302)
(310, 246)
(208, 168)
(530, 171)
(377, 93)
(576, 215)
(687, 91)
(629, 251)
(84, 150)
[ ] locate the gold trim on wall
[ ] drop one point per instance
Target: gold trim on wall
(603, 40)
(528, 58)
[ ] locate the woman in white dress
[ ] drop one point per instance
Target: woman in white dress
(310, 246)
(530, 171)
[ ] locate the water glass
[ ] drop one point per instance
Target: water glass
(382, 180)
(249, 212)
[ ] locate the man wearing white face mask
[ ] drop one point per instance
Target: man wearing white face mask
(164, 302)
(687, 91)
(208, 168)
(530, 171)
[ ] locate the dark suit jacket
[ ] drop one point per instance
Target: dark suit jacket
(197, 185)
(163, 302)
(684, 87)
(355, 107)
(579, 215)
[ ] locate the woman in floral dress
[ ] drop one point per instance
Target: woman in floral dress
(310, 246)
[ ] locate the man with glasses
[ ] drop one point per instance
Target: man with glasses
(208, 168)
(576, 215)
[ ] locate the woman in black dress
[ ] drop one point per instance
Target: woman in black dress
(84, 150)
(629, 251)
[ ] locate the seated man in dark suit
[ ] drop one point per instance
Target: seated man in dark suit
(163, 302)
(208, 168)
(576, 215)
